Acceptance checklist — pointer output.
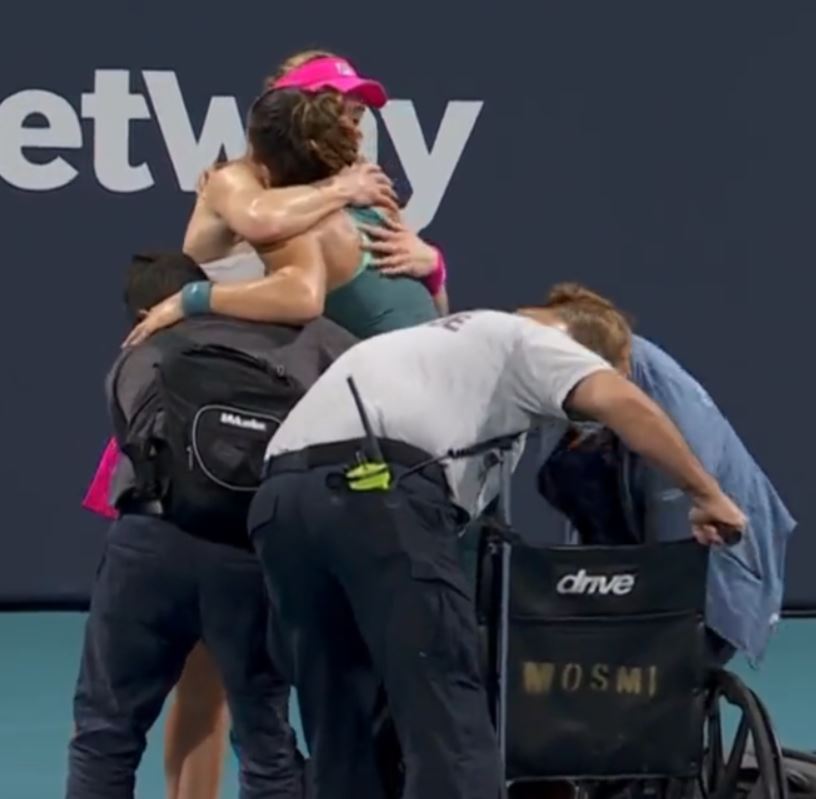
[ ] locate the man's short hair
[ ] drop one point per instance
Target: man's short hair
(153, 277)
(591, 319)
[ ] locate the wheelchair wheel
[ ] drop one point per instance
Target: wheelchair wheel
(722, 767)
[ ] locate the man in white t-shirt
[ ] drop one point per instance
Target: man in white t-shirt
(366, 574)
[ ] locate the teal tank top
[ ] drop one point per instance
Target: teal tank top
(371, 303)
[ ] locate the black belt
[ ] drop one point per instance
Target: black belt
(232, 537)
(345, 453)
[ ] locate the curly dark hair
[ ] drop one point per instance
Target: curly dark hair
(302, 136)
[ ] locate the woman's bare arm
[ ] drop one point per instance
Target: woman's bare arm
(262, 216)
(294, 293)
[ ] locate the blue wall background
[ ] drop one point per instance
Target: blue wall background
(661, 152)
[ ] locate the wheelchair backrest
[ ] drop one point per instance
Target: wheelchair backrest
(606, 671)
(618, 581)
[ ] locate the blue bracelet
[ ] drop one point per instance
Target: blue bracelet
(195, 298)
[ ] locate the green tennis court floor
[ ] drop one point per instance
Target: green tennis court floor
(39, 654)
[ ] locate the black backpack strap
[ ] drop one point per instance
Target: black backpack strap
(117, 415)
(144, 457)
(120, 423)
(143, 470)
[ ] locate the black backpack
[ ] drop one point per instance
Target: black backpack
(220, 408)
(586, 479)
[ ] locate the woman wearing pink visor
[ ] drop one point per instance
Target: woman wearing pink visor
(334, 73)
(298, 135)
(236, 205)
(195, 733)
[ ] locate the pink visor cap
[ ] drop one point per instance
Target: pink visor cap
(334, 73)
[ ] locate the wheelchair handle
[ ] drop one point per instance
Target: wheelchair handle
(730, 535)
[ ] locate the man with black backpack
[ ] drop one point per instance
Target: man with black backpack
(193, 410)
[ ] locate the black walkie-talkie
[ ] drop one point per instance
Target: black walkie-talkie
(373, 474)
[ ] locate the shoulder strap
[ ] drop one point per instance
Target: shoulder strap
(120, 422)
(364, 216)
(118, 417)
(145, 473)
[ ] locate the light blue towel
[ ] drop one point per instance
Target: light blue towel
(745, 581)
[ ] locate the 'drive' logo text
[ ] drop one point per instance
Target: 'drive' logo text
(39, 120)
(601, 584)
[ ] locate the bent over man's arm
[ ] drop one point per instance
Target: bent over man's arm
(620, 405)
(609, 398)
(555, 374)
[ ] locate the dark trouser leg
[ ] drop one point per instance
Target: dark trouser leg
(142, 625)
(330, 664)
(399, 564)
(337, 693)
(234, 619)
(395, 557)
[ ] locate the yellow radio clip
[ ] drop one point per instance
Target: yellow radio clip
(369, 477)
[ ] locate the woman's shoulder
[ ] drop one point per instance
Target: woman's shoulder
(207, 237)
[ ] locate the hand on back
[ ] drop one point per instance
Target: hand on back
(398, 250)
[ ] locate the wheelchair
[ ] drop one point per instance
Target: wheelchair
(600, 679)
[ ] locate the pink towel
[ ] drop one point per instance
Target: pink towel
(96, 498)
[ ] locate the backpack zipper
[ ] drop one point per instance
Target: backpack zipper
(194, 458)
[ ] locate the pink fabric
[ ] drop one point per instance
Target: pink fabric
(334, 73)
(96, 498)
(437, 279)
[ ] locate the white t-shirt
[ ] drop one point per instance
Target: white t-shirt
(447, 384)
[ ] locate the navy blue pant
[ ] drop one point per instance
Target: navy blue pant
(371, 593)
(159, 591)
